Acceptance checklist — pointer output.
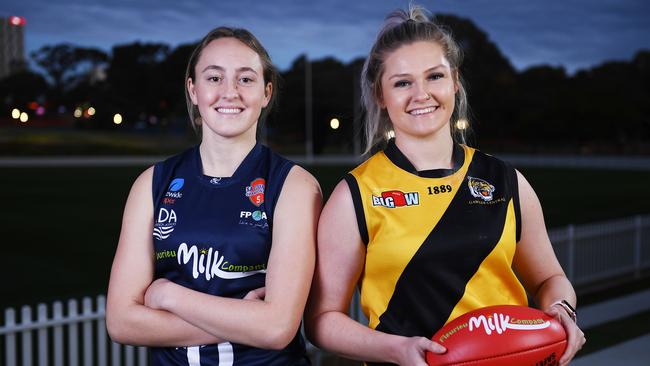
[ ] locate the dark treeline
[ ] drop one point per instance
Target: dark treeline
(604, 109)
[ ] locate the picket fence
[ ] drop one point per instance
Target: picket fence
(594, 255)
(590, 254)
(65, 336)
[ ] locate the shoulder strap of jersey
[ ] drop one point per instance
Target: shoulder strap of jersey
(279, 168)
(358, 207)
(514, 187)
(163, 171)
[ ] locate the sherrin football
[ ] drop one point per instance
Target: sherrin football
(502, 335)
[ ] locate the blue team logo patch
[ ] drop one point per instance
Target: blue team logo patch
(176, 184)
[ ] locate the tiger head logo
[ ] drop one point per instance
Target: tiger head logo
(480, 188)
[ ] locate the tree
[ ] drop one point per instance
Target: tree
(173, 88)
(18, 89)
(542, 111)
(65, 63)
(137, 79)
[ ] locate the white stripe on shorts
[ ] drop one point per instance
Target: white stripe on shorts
(226, 356)
(193, 356)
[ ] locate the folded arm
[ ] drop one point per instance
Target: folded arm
(274, 321)
(128, 320)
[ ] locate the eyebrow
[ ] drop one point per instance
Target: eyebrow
(219, 68)
(426, 71)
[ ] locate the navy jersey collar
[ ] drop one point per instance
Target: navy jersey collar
(243, 170)
(398, 158)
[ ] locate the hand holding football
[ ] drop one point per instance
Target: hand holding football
(502, 335)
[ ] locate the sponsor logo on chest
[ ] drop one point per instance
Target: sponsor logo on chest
(254, 218)
(209, 263)
(395, 198)
(255, 192)
(173, 191)
(165, 223)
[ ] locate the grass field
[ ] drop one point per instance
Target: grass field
(59, 226)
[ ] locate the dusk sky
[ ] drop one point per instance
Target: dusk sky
(573, 33)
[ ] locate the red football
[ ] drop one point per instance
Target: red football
(502, 335)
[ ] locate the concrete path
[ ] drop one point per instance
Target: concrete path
(634, 352)
(613, 309)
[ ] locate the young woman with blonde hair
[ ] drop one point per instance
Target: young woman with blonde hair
(427, 227)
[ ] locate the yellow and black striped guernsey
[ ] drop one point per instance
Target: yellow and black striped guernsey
(440, 243)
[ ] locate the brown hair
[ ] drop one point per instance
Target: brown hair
(402, 28)
(270, 72)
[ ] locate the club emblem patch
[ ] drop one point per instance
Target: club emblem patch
(480, 188)
(255, 192)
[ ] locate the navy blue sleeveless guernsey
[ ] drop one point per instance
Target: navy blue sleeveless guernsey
(213, 235)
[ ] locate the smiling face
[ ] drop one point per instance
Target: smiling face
(229, 88)
(418, 89)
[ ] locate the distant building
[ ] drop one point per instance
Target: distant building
(12, 45)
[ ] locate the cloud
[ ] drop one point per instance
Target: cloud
(576, 33)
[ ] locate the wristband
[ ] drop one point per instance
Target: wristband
(570, 310)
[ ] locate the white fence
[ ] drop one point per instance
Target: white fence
(64, 335)
(56, 336)
(604, 250)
